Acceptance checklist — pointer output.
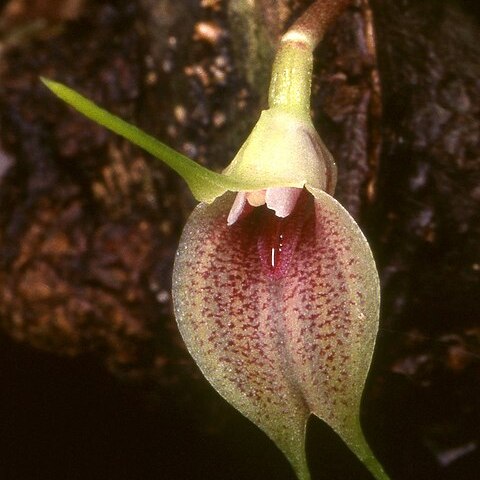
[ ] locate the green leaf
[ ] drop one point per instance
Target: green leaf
(204, 184)
(282, 338)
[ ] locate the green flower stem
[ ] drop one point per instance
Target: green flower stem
(292, 79)
(292, 69)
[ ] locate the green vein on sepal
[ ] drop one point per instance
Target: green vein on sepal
(204, 184)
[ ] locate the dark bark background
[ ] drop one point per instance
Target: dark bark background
(94, 379)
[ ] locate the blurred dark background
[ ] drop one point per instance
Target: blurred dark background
(94, 379)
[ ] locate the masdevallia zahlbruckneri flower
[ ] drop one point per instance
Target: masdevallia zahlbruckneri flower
(275, 288)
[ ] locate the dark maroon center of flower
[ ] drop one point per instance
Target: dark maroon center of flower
(277, 238)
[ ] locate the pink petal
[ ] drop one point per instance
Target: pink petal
(282, 200)
(237, 208)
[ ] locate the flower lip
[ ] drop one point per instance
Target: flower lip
(238, 208)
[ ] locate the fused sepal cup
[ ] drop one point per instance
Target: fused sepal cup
(279, 347)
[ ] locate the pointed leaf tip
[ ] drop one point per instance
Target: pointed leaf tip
(204, 184)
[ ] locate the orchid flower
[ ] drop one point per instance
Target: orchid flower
(275, 288)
